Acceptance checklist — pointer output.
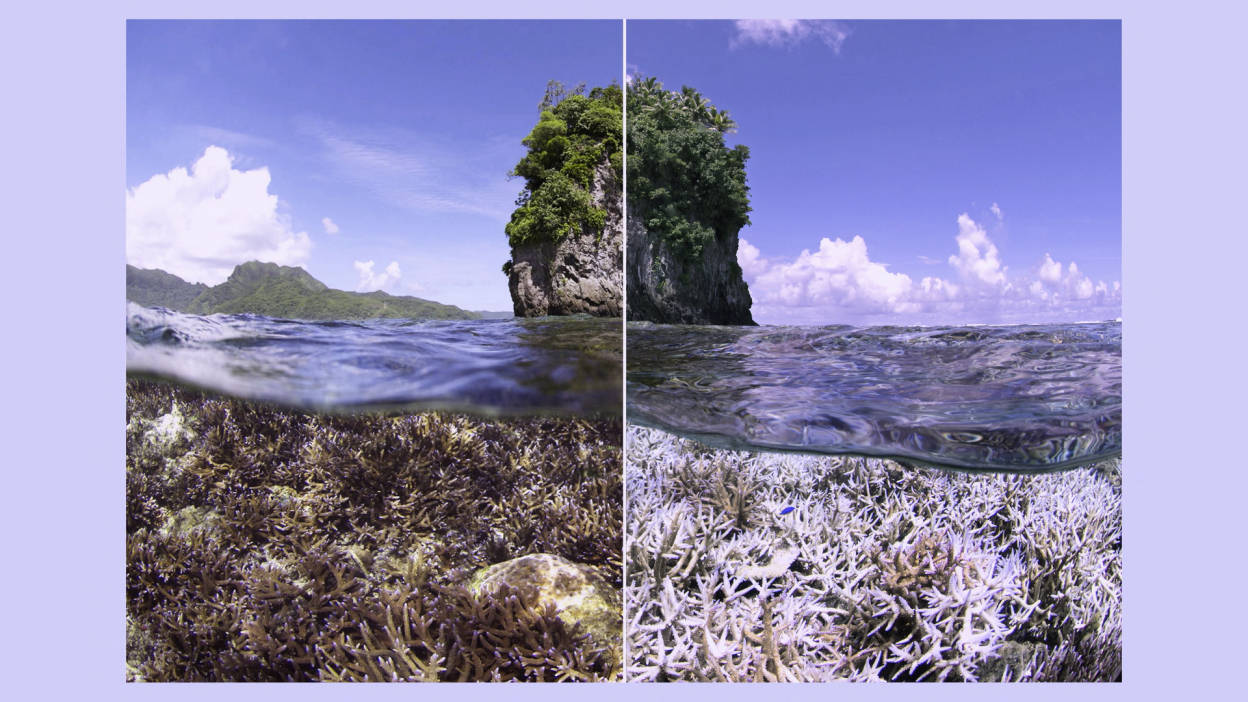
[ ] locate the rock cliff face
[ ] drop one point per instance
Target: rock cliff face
(665, 289)
(582, 273)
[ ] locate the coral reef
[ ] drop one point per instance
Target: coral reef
(880, 571)
(269, 544)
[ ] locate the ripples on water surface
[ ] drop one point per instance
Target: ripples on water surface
(1013, 398)
(495, 366)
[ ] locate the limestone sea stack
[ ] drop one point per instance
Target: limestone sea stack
(567, 231)
(583, 273)
(687, 202)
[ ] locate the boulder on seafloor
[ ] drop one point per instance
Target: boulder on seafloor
(577, 592)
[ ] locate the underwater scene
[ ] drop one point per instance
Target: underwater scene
(928, 504)
(372, 500)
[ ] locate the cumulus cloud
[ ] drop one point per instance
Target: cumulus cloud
(976, 259)
(749, 259)
(779, 33)
(1050, 270)
(996, 211)
(839, 283)
(199, 224)
(370, 280)
(330, 227)
(1052, 285)
(839, 273)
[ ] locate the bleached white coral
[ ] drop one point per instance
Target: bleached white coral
(879, 572)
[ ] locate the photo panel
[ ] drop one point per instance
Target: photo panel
(374, 350)
(874, 343)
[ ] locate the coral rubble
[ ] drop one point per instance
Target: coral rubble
(880, 572)
(268, 544)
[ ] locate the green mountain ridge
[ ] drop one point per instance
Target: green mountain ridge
(277, 291)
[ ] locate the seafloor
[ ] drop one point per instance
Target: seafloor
(268, 544)
(878, 572)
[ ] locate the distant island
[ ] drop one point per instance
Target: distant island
(278, 291)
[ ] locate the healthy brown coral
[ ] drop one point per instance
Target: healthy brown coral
(268, 544)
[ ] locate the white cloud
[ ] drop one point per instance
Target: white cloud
(199, 224)
(749, 260)
(330, 227)
(230, 138)
(839, 283)
(996, 211)
(370, 281)
(977, 258)
(1050, 270)
(1074, 285)
(790, 32)
(839, 273)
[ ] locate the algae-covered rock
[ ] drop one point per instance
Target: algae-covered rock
(169, 430)
(189, 519)
(577, 592)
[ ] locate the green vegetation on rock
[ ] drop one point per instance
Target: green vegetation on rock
(574, 134)
(684, 183)
(277, 291)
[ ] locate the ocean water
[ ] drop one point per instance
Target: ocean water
(557, 365)
(1020, 398)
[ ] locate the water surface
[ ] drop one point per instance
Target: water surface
(1008, 398)
(566, 365)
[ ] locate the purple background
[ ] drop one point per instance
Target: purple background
(1183, 182)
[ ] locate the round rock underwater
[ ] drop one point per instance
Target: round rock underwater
(267, 544)
(786, 567)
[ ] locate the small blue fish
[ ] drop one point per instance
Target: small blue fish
(786, 510)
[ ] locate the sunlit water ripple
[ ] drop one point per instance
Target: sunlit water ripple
(563, 365)
(1011, 398)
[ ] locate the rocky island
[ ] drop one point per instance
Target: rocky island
(687, 202)
(567, 231)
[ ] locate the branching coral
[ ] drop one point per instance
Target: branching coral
(880, 572)
(266, 544)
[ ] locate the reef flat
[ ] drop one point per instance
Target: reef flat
(749, 566)
(269, 544)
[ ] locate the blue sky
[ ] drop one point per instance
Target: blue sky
(975, 161)
(335, 144)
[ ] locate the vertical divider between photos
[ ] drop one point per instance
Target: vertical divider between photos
(624, 350)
